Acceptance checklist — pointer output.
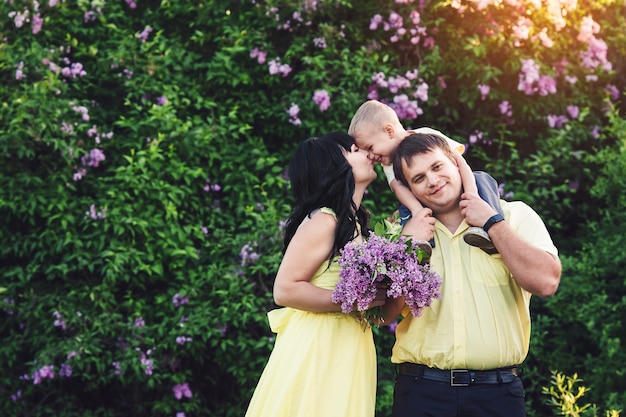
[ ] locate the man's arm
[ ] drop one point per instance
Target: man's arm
(534, 269)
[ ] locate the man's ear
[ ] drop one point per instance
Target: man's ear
(389, 130)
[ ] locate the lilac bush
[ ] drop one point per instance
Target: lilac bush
(143, 187)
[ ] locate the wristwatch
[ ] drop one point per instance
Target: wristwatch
(493, 220)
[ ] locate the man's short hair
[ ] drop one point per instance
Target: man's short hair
(416, 144)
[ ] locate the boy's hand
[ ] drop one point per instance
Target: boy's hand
(421, 226)
(475, 210)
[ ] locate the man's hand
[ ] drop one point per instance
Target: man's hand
(475, 210)
(421, 226)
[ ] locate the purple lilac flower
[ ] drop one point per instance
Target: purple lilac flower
(506, 196)
(421, 92)
(222, 328)
(178, 300)
(147, 363)
(293, 114)
(484, 91)
(248, 255)
(321, 98)
(139, 322)
(556, 121)
(79, 174)
(573, 112)
(475, 137)
(117, 367)
(83, 111)
(143, 35)
(37, 23)
(89, 16)
(405, 108)
(392, 327)
(19, 18)
(612, 91)
(73, 70)
(11, 302)
(161, 100)
(96, 214)
(181, 390)
(379, 260)
(66, 127)
(66, 370)
(211, 187)
(395, 84)
(595, 132)
(376, 20)
(259, 55)
(181, 340)
(17, 395)
(275, 67)
(93, 158)
(43, 372)
(59, 322)
(320, 42)
(506, 108)
(19, 73)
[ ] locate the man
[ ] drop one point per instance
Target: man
(459, 358)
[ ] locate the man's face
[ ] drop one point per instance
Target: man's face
(435, 180)
(378, 143)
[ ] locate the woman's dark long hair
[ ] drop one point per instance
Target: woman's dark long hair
(321, 176)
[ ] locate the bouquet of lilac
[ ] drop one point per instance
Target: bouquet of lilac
(385, 257)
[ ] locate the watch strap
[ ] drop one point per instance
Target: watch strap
(493, 220)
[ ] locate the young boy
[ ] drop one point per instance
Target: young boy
(376, 129)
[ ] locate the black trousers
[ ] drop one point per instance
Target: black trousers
(415, 397)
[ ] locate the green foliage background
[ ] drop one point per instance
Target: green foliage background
(196, 137)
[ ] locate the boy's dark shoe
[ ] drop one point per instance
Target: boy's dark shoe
(424, 245)
(476, 236)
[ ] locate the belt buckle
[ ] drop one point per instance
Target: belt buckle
(453, 373)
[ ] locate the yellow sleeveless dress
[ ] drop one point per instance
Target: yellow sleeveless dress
(322, 364)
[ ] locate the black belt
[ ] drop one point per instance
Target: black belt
(459, 377)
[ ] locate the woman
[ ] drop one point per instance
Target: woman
(324, 361)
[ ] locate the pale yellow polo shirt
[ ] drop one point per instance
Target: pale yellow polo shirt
(482, 320)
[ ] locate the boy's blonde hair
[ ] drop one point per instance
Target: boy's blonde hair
(376, 114)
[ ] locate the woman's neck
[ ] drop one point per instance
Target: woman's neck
(357, 196)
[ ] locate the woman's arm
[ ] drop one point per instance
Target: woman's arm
(310, 247)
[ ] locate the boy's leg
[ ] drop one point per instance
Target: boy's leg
(488, 191)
